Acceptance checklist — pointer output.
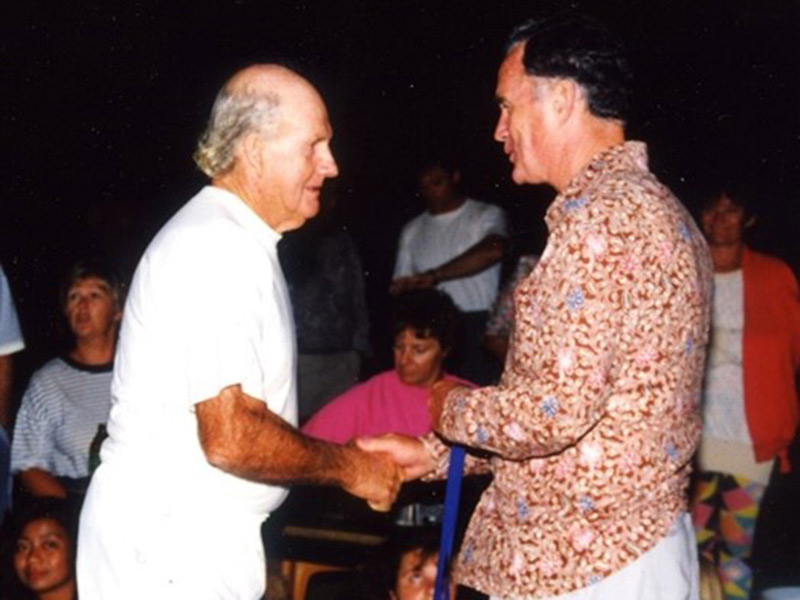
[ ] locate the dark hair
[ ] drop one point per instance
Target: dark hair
(739, 194)
(61, 511)
(579, 48)
(401, 542)
(92, 267)
(446, 163)
(430, 313)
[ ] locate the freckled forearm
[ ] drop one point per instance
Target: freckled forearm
(253, 443)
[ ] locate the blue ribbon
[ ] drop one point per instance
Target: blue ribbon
(451, 497)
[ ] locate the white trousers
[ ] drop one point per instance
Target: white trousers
(669, 571)
(129, 548)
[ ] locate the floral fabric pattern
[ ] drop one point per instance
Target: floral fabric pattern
(594, 422)
(501, 318)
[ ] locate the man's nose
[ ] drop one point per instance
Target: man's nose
(501, 130)
(328, 167)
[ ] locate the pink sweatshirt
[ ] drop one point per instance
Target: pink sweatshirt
(383, 404)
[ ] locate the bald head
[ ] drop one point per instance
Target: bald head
(250, 101)
(266, 79)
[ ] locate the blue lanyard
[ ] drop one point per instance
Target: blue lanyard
(451, 496)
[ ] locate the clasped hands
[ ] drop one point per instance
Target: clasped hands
(387, 461)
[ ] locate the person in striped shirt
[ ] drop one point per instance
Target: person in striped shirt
(70, 395)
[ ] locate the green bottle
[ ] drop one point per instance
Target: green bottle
(94, 448)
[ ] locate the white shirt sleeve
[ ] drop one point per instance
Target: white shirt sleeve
(493, 221)
(10, 335)
(218, 323)
(33, 430)
(403, 263)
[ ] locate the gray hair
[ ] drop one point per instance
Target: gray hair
(234, 115)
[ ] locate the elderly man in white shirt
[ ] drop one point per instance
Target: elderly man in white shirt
(201, 433)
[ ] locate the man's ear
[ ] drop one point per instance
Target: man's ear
(564, 98)
(250, 151)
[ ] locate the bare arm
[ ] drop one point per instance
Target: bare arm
(40, 483)
(6, 379)
(477, 258)
(241, 436)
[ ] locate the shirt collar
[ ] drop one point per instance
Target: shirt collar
(626, 156)
(245, 216)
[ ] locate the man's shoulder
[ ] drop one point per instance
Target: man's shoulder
(414, 225)
(635, 194)
(202, 214)
(201, 229)
(479, 207)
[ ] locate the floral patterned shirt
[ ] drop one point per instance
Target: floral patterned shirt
(595, 420)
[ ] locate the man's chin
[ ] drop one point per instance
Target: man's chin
(310, 206)
(518, 177)
(521, 177)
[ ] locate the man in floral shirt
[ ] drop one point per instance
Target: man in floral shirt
(593, 425)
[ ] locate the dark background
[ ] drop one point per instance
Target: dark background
(102, 103)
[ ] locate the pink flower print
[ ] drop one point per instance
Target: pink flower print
(591, 453)
(666, 253)
(514, 431)
(630, 460)
(517, 562)
(646, 356)
(566, 358)
(536, 465)
(597, 377)
(581, 537)
(565, 466)
(549, 565)
(595, 244)
(490, 503)
(632, 263)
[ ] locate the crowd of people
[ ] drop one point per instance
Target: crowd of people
(632, 391)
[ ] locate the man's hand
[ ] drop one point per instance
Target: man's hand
(240, 435)
(436, 398)
(406, 451)
(375, 477)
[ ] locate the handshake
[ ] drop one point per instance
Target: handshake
(381, 464)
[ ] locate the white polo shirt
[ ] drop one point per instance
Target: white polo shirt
(208, 308)
(429, 241)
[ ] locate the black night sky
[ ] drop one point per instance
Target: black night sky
(102, 103)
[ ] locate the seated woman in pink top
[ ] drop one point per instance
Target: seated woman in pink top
(397, 400)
